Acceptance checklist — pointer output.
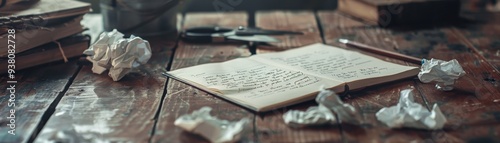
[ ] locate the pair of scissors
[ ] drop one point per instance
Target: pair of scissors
(221, 34)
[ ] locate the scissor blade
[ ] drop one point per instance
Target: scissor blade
(277, 32)
(254, 38)
(258, 31)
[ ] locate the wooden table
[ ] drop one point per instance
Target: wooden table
(67, 102)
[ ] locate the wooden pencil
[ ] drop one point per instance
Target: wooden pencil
(379, 51)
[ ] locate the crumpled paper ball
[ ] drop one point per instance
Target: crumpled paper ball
(445, 73)
(313, 116)
(330, 110)
(346, 113)
(117, 54)
(215, 130)
(408, 113)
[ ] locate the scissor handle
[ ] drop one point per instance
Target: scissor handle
(204, 34)
(208, 30)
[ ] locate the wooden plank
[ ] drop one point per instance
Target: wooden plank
(36, 89)
(485, 38)
(470, 108)
(370, 100)
(231, 19)
(270, 126)
(300, 21)
(98, 109)
(335, 19)
(183, 99)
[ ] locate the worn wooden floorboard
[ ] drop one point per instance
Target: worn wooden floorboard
(299, 21)
(183, 99)
(486, 40)
(370, 100)
(471, 108)
(270, 126)
(97, 109)
(36, 89)
(334, 19)
(229, 20)
(470, 104)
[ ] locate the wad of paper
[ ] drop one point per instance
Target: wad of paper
(117, 54)
(330, 109)
(215, 130)
(409, 114)
(444, 73)
(314, 116)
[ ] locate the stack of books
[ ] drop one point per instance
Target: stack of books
(41, 31)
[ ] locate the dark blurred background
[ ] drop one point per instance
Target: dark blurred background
(244, 5)
(254, 5)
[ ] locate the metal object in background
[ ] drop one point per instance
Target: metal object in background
(140, 17)
(221, 34)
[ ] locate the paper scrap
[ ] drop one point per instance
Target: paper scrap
(215, 130)
(330, 109)
(314, 116)
(345, 112)
(409, 114)
(445, 73)
(117, 54)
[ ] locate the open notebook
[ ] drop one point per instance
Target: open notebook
(269, 81)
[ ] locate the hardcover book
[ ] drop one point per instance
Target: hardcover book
(72, 46)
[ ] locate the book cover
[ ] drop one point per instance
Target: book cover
(26, 39)
(72, 46)
(45, 9)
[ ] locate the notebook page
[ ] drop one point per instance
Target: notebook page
(333, 63)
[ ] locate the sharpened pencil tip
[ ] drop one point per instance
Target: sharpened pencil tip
(344, 41)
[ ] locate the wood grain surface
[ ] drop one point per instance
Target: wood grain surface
(485, 39)
(37, 91)
(97, 109)
(299, 21)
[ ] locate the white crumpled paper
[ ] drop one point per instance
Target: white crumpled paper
(314, 116)
(215, 130)
(117, 54)
(409, 114)
(345, 112)
(443, 72)
(329, 106)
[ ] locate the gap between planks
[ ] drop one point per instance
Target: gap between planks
(52, 107)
